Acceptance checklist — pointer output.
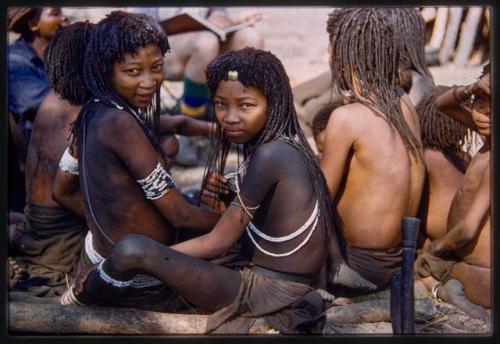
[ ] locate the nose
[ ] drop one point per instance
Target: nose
(232, 116)
(148, 82)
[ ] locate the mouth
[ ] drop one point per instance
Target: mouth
(145, 98)
(232, 132)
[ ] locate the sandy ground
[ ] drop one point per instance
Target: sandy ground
(298, 37)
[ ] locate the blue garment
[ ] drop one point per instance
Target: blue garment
(28, 82)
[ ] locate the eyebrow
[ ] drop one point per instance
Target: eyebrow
(238, 98)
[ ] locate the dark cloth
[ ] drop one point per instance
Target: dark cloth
(377, 266)
(427, 265)
(288, 307)
(28, 83)
(16, 185)
(49, 248)
(160, 298)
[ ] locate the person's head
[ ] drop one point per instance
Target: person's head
(411, 27)
(481, 105)
(32, 22)
(124, 61)
(441, 132)
(253, 103)
(320, 121)
(64, 59)
(364, 59)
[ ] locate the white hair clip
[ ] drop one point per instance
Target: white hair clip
(232, 75)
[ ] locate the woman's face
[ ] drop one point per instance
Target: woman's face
(50, 21)
(138, 76)
(240, 110)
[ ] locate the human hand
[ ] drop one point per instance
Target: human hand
(481, 88)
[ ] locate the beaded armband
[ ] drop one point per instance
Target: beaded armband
(110, 280)
(157, 183)
(68, 163)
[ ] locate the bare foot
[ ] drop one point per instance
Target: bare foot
(347, 277)
(453, 293)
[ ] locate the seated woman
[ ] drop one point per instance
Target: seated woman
(121, 165)
(281, 212)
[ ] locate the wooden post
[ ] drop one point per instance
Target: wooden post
(468, 36)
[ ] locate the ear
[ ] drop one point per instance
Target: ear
(33, 25)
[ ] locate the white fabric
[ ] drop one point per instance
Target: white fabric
(68, 163)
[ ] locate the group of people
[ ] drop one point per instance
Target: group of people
(277, 237)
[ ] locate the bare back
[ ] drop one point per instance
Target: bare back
(48, 141)
(380, 181)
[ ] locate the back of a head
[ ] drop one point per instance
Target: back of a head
(264, 71)
(365, 60)
(64, 60)
(115, 35)
(321, 118)
(440, 131)
(411, 28)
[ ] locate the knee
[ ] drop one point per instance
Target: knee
(207, 45)
(130, 252)
(248, 37)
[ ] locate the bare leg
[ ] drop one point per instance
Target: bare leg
(453, 292)
(206, 285)
(476, 281)
(247, 37)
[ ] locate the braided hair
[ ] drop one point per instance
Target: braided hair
(411, 27)
(264, 71)
(365, 60)
(442, 132)
(64, 58)
(114, 36)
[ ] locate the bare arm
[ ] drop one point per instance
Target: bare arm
(256, 184)
(185, 125)
(141, 159)
(469, 227)
(227, 231)
(339, 140)
(66, 191)
(451, 103)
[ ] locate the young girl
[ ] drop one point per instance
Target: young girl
(121, 166)
(281, 211)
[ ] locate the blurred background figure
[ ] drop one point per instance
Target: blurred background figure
(27, 85)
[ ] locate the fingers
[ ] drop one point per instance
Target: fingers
(217, 184)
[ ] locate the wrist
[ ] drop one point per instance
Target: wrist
(462, 93)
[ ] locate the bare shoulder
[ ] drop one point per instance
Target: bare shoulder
(347, 119)
(274, 151)
(115, 123)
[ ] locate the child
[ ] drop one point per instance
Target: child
(319, 123)
(281, 212)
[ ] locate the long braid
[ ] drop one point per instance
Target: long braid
(64, 58)
(411, 26)
(272, 80)
(365, 61)
(115, 35)
(442, 132)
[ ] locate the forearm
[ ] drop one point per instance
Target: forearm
(198, 218)
(451, 102)
(74, 203)
(200, 247)
(184, 125)
(452, 240)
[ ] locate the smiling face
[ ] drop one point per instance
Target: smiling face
(240, 110)
(138, 76)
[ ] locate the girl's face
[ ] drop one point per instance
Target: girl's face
(51, 19)
(138, 76)
(240, 110)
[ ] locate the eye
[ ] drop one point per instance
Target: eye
(247, 105)
(132, 71)
(158, 68)
(219, 103)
